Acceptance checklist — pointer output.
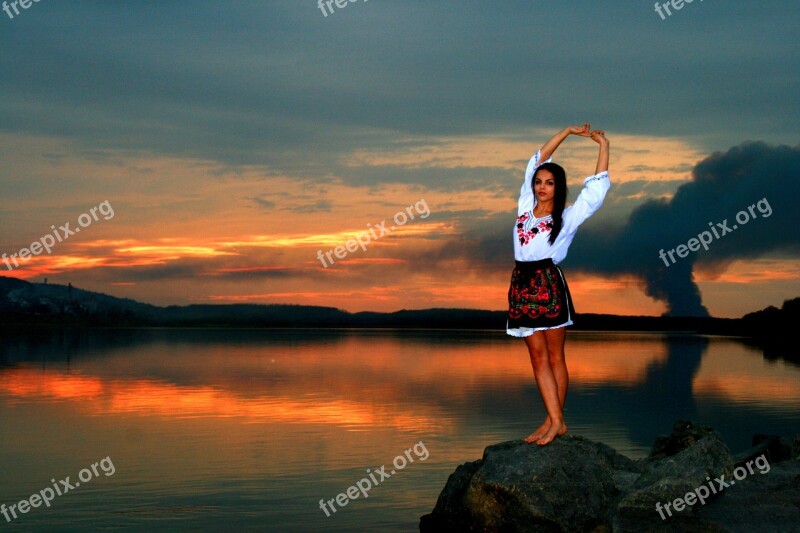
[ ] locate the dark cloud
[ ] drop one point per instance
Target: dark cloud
(645, 188)
(319, 205)
(275, 83)
(301, 202)
(263, 202)
(755, 181)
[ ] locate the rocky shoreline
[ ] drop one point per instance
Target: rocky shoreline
(689, 482)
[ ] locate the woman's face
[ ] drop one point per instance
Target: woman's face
(544, 186)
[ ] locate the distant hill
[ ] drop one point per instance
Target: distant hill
(25, 303)
(771, 329)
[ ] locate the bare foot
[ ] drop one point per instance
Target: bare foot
(539, 433)
(556, 430)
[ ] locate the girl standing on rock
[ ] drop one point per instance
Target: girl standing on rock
(540, 306)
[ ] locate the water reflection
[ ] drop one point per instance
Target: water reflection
(400, 380)
(236, 425)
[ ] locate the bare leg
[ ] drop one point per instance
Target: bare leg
(555, 339)
(548, 387)
(535, 347)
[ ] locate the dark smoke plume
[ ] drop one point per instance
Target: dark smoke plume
(755, 182)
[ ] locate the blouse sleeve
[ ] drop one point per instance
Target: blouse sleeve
(589, 200)
(526, 193)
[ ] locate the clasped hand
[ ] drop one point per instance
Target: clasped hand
(598, 136)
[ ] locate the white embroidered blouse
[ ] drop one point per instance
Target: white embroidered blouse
(531, 234)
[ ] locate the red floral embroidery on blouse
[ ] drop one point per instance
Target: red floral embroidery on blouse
(544, 226)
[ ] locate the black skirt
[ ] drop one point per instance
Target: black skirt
(538, 298)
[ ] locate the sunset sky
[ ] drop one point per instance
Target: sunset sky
(235, 141)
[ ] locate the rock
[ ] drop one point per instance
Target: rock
(451, 501)
(774, 448)
(667, 479)
(767, 500)
(684, 434)
(575, 484)
(569, 484)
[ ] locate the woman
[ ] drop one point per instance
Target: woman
(540, 306)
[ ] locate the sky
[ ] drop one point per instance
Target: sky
(215, 152)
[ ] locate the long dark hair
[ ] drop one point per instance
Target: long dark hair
(559, 196)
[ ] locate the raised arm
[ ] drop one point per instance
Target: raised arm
(594, 189)
(599, 136)
(550, 146)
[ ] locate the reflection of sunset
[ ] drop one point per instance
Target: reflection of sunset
(734, 372)
(154, 398)
(28, 384)
(619, 363)
(363, 393)
(742, 388)
(363, 389)
(368, 381)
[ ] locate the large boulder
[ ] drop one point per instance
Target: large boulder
(687, 483)
(570, 484)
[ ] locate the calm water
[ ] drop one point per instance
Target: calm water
(248, 430)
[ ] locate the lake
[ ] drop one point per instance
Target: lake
(204, 429)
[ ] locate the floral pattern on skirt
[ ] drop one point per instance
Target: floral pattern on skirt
(538, 296)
